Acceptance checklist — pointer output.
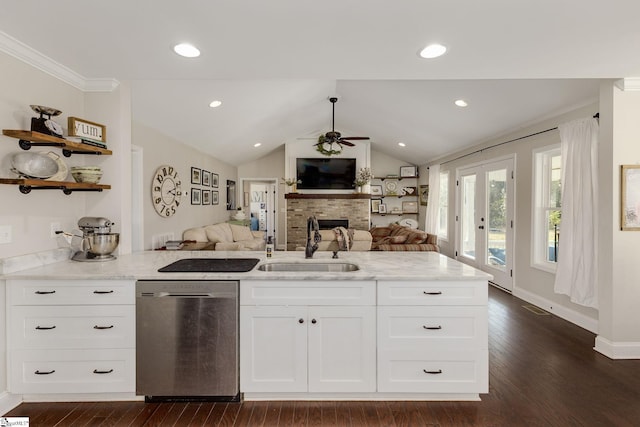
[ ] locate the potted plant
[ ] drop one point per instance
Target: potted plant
(292, 183)
(363, 177)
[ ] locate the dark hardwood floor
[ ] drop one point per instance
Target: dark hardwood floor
(543, 372)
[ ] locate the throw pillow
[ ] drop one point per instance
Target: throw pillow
(240, 233)
(416, 237)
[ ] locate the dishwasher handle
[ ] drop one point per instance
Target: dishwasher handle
(183, 294)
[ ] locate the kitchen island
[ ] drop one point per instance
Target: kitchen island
(402, 326)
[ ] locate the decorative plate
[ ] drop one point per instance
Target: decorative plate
(391, 188)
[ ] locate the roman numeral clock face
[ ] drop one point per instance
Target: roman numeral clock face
(165, 191)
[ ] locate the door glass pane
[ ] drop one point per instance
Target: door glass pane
(497, 218)
(468, 229)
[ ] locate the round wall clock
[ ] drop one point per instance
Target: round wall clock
(165, 190)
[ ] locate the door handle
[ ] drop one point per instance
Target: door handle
(481, 227)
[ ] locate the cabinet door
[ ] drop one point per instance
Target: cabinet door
(342, 349)
(273, 342)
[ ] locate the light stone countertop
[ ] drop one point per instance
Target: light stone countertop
(373, 266)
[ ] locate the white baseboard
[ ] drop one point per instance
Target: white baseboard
(9, 401)
(617, 350)
(563, 312)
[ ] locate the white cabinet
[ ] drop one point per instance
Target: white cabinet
(317, 345)
(433, 337)
(71, 336)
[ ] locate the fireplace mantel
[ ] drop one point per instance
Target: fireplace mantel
(327, 196)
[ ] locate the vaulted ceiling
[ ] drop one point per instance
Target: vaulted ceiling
(274, 64)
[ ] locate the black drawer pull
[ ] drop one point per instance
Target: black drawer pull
(102, 292)
(103, 327)
(432, 328)
(45, 292)
(44, 373)
(432, 293)
(439, 371)
(95, 371)
(45, 328)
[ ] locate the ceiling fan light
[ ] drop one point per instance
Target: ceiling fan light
(433, 51)
(187, 50)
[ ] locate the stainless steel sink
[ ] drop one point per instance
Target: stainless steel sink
(332, 267)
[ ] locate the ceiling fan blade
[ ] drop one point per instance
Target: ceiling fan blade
(347, 143)
(355, 138)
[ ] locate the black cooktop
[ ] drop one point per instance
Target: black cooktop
(211, 265)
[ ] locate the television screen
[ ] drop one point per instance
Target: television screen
(326, 174)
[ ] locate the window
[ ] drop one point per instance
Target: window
(547, 213)
(443, 206)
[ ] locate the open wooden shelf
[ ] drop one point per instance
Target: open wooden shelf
(29, 138)
(26, 185)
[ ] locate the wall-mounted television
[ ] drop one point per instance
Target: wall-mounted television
(326, 173)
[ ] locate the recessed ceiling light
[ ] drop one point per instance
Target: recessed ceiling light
(433, 51)
(215, 104)
(257, 144)
(461, 103)
(187, 50)
(402, 144)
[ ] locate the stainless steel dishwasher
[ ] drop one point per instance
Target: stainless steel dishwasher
(187, 340)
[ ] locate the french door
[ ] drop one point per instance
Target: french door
(484, 219)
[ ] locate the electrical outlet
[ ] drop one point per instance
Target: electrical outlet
(5, 234)
(55, 226)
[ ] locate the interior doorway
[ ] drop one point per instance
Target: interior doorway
(259, 197)
(485, 219)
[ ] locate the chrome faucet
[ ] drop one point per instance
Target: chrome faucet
(312, 225)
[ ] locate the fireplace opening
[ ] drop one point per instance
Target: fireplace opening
(328, 224)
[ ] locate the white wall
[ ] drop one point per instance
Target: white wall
(619, 334)
(30, 215)
(530, 283)
(159, 149)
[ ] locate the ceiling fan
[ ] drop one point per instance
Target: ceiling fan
(326, 141)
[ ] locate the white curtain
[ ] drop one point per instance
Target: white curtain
(577, 271)
(432, 219)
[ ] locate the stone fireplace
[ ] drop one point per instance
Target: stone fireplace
(329, 207)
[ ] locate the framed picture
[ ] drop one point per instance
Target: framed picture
(408, 191)
(196, 176)
(206, 179)
(382, 208)
(408, 171)
(375, 205)
(215, 199)
(82, 128)
(195, 196)
(391, 187)
(424, 195)
(231, 195)
(214, 180)
(409, 207)
(630, 198)
(206, 197)
(376, 190)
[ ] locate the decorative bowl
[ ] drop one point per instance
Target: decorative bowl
(34, 165)
(102, 244)
(88, 174)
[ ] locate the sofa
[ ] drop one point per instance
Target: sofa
(401, 238)
(226, 237)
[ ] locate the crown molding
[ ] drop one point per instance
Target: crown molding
(628, 84)
(26, 54)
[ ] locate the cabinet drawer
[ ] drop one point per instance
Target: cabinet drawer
(315, 292)
(37, 327)
(71, 292)
(424, 328)
(433, 293)
(433, 372)
(72, 371)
